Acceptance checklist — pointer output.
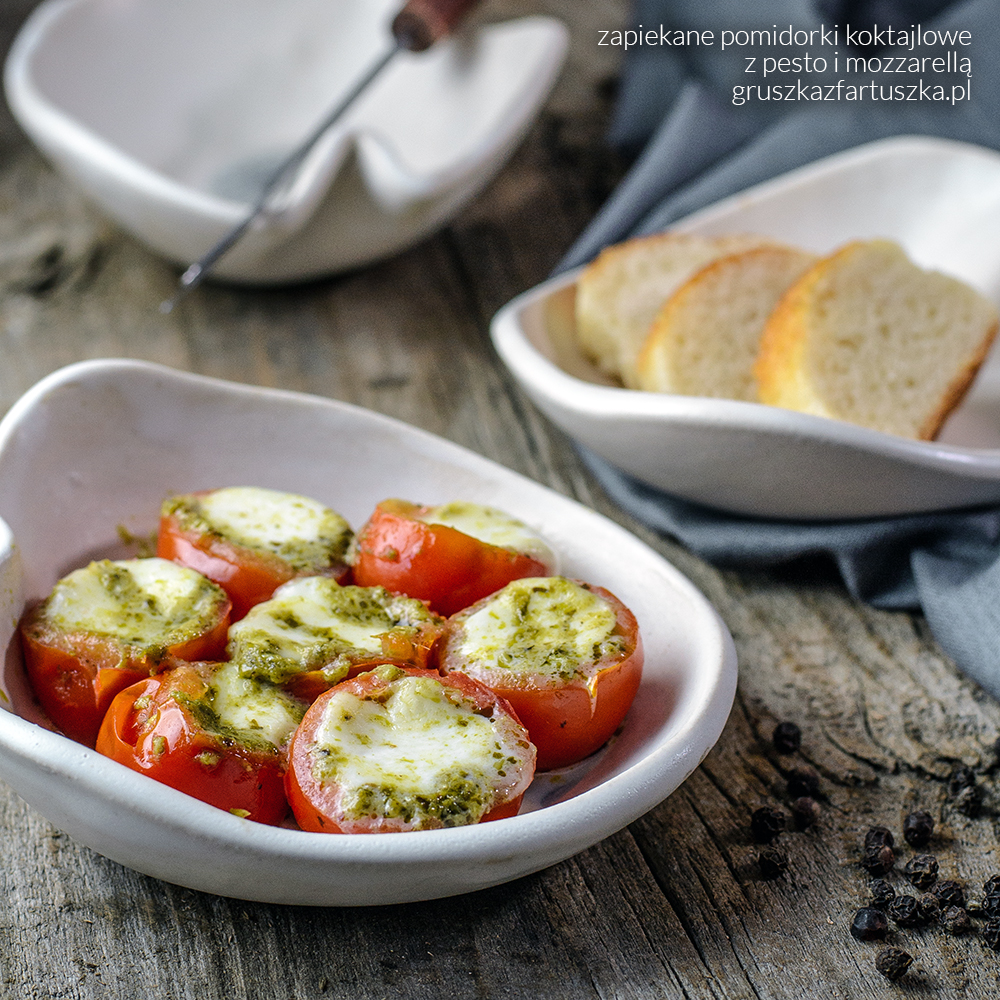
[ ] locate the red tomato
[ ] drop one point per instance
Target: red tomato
(566, 719)
(433, 562)
(151, 729)
(323, 805)
(76, 676)
(248, 576)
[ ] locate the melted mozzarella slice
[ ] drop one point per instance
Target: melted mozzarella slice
(540, 626)
(297, 529)
(253, 708)
(495, 527)
(141, 602)
(313, 623)
(416, 754)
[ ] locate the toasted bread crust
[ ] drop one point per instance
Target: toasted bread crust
(619, 294)
(706, 336)
(917, 325)
(780, 358)
(958, 388)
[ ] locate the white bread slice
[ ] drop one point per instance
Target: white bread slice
(867, 336)
(620, 293)
(705, 338)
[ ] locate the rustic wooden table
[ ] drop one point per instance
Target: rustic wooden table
(673, 906)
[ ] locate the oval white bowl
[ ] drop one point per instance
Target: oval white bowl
(941, 201)
(98, 445)
(170, 115)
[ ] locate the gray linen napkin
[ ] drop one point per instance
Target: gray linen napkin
(701, 148)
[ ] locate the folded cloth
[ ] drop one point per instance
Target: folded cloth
(704, 148)
(946, 563)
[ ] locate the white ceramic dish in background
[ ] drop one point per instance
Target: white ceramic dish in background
(169, 116)
(100, 444)
(941, 201)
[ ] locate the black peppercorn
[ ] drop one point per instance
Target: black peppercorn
(772, 862)
(956, 920)
(766, 823)
(893, 963)
(929, 906)
(905, 911)
(961, 777)
(805, 810)
(879, 836)
(992, 884)
(991, 905)
(803, 781)
(922, 871)
(917, 828)
(878, 860)
(869, 924)
(969, 801)
(882, 893)
(991, 934)
(787, 737)
(949, 892)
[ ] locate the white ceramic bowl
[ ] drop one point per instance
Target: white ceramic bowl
(169, 116)
(99, 445)
(941, 201)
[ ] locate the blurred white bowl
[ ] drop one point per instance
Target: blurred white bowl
(941, 201)
(170, 115)
(97, 446)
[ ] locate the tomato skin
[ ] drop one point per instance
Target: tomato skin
(150, 731)
(566, 721)
(316, 806)
(77, 676)
(248, 577)
(433, 562)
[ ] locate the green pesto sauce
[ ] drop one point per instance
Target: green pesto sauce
(315, 624)
(459, 802)
(205, 713)
(326, 543)
(542, 626)
(143, 546)
(147, 604)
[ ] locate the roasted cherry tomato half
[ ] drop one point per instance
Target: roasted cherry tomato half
(313, 633)
(566, 655)
(109, 625)
(449, 556)
(203, 730)
(251, 540)
(393, 750)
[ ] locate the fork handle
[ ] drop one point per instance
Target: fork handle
(421, 23)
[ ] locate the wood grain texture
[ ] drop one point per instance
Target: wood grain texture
(671, 907)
